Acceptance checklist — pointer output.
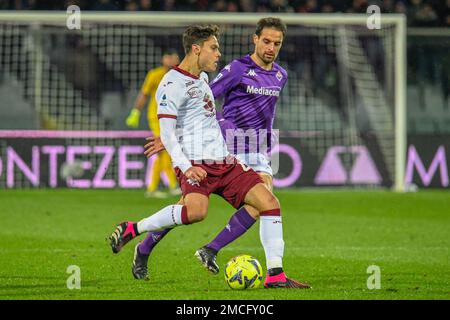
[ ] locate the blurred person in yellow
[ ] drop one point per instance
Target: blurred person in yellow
(162, 163)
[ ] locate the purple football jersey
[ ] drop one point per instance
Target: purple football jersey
(250, 94)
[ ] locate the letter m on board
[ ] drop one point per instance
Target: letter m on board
(426, 176)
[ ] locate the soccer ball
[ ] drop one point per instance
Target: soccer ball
(243, 272)
(72, 170)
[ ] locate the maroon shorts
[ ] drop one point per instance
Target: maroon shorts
(229, 180)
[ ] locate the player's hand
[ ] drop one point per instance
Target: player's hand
(133, 119)
(153, 146)
(195, 173)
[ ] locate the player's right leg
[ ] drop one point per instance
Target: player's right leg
(267, 180)
(271, 235)
(240, 222)
(195, 209)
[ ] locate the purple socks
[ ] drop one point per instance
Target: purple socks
(239, 223)
(146, 246)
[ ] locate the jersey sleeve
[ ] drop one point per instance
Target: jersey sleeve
(170, 142)
(168, 100)
(228, 78)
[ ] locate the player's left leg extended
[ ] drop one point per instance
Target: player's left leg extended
(143, 250)
(194, 210)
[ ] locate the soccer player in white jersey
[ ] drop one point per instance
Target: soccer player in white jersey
(251, 86)
(191, 134)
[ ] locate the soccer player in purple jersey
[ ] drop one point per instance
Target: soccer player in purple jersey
(251, 86)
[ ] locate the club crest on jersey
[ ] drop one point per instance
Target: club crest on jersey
(194, 92)
(209, 105)
(279, 76)
(251, 73)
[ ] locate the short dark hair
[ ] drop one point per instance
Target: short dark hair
(169, 52)
(197, 34)
(270, 22)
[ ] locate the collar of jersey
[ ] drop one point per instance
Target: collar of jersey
(185, 73)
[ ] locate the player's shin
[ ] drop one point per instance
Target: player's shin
(169, 217)
(239, 223)
(271, 235)
(152, 239)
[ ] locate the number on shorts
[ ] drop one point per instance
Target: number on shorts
(244, 166)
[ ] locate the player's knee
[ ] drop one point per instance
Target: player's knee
(269, 186)
(272, 202)
(267, 180)
(253, 212)
(196, 214)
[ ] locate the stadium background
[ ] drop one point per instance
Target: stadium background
(65, 95)
(41, 89)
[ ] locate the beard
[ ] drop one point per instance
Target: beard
(267, 59)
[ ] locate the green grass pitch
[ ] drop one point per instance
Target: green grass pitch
(331, 238)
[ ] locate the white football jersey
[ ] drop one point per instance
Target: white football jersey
(190, 101)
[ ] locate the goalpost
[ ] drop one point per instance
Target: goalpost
(346, 87)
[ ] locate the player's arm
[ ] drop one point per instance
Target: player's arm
(133, 118)
(171, 144)
(153, 146)
(225, 81)
(225, 124)
(135, 113)
(167, 115)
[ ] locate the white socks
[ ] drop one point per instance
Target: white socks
(271, 235)
(168, 217)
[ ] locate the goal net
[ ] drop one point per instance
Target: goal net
(344, 99)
